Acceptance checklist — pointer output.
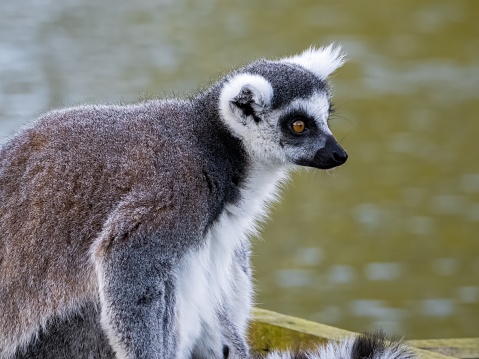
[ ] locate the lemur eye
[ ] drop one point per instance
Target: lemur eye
(298, 126)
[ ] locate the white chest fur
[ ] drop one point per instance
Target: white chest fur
(211, 278)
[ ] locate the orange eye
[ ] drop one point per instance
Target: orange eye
(298, 126)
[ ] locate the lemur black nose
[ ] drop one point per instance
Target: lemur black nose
(337, 155)
(340, 156)
(330, 155)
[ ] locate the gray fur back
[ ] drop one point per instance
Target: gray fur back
(77, 337)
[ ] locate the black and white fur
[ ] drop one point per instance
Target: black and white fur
(364, 346)
(125, 228)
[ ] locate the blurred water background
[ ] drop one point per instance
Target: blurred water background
(389, 240)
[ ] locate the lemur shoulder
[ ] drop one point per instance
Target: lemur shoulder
(125, 228)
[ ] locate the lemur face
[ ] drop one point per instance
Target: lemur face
(304, 134)
(280, 109)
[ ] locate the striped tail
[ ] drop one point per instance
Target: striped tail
(364, 346)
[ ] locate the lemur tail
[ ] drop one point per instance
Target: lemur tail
(364, 346)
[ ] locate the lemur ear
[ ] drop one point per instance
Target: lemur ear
(246, 96)
(322, 62)
(249, 102)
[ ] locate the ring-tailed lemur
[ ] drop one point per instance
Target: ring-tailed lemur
(124, 229)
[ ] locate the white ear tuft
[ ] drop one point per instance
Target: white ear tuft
(322, 62)
(245, 95)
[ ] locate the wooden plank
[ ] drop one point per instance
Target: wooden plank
(270, 330)
(464, 348)
(273, 330)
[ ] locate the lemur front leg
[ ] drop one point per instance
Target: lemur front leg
(135, 261)
(137, 302)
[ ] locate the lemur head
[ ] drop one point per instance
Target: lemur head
(280, 109)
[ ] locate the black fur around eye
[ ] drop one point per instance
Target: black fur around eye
(298, 124)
